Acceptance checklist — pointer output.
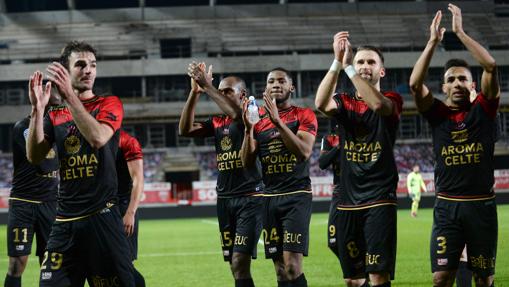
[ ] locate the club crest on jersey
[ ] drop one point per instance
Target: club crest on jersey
(226, 143)
(72, 144)
(459, 136)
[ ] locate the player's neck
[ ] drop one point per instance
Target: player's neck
(284, 105)
(358, 96)
(85, 95)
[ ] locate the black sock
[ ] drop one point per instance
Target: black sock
(11, 281)
(244, 282)
(299, 281)
(283, 283)
(139, 281)
(386, 284)
(463, 275)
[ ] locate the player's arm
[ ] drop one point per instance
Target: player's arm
(96, 133)
(300, 144)
(421, 94)
(489, 80)
(37, 146)
(249, 147)
(327, 154)
(187, 126)
(136, 171)
(423, 185)
(373, 98)
(323, 100)
(204, 80)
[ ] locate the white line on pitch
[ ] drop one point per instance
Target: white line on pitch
(208, 221)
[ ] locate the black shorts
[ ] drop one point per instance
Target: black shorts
(240, 224)
(331, 224)
(366, 240)
(133, 238)
(93, 248)
(286, 220)
(456, 223)
(25, 220)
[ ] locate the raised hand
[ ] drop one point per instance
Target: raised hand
(271, 108)
(348, 55)
(339, 44)
(436, 33)
(457, 21)
(60, 77)
(248, 125)
(197, 72)
(38, 96)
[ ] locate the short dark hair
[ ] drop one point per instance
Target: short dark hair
(74, 46)
(288, 73)
(456, 63)
(371, 48)
(239, 81)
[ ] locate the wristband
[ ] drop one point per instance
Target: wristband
(335, 66)
(350, 71)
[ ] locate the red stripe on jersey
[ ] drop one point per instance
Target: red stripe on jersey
(305, 116)
(221, 121)
(130, 147)
(490, 106)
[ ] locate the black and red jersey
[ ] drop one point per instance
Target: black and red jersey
(32, 182)
(88, 177)
(463, 143)
(329, 151)
(368, 170)
(129, 150)
(233, 178)
(282, 171)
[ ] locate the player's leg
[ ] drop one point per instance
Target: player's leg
(272, 236)
(351, 247)
(107, 253)
(45, 216)
(247, 218)
(463, 275)
(20, 233)
(446, 243)
(61, 265)
(481, 232)
(380, 234)
(295, 218)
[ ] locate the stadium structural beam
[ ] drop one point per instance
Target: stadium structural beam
(3, 6)
(212, 3)
(283, 2)
(71, 4)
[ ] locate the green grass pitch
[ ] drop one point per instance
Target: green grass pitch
(187, 252)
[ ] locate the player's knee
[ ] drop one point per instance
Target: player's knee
(483, 281)
(443, 279)
(293, 268)
(17, 265)
(354, 282)
(240, 266)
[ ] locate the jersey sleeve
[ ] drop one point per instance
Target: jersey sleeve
(490, 106)
(130, 147)
(208, 127)
(436, 113)
(111, 112)
(19, 136)
(308, 122)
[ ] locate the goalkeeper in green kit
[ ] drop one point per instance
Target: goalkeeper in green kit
(415, 184)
